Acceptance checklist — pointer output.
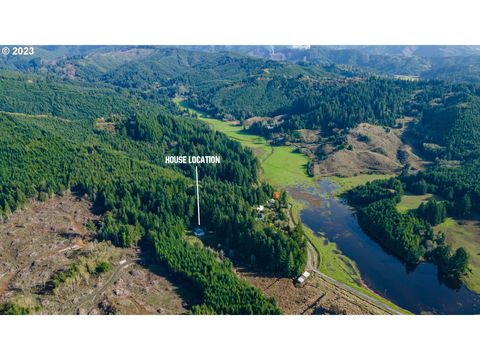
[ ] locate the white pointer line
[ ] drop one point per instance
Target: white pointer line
(198, 197)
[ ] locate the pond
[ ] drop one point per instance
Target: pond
(418, 289)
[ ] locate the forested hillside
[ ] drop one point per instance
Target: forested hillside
(451, 63)
(458, 185)
(312, 95)
(331, 108)
(452, 127)
(34, 94)
(446, 114)
(62, 147)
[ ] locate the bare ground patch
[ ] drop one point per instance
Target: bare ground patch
(371, 149)
(49, 264)
(316, 297)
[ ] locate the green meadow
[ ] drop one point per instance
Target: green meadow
(410, 202)
(465, 233)
(347, 183)
(282, 166)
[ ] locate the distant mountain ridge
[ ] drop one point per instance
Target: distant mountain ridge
(456, 63)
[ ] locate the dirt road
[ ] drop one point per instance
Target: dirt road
(95, 295)
(312, 265)
(46, 238)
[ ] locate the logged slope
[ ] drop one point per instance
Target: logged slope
(50, 265)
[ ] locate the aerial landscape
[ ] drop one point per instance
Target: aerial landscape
(245, 180)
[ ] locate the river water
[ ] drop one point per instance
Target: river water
(419, 290)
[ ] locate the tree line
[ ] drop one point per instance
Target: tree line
(409, 235)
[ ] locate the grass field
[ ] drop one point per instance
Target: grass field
(347, 183)
(465, 233)
(281, 165)
(410, 202)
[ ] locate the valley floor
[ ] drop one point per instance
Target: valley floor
(285, 168)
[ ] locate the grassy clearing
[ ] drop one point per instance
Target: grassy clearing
(465, 233)
(282, 166)
(410, 202)
(347, 183)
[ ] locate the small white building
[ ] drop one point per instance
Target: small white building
(302, 278)
(260, 208)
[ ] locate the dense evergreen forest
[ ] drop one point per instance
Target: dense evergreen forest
(446, 111)
(450, 127)
(144, 203)
(312, 104)
(458, 185)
